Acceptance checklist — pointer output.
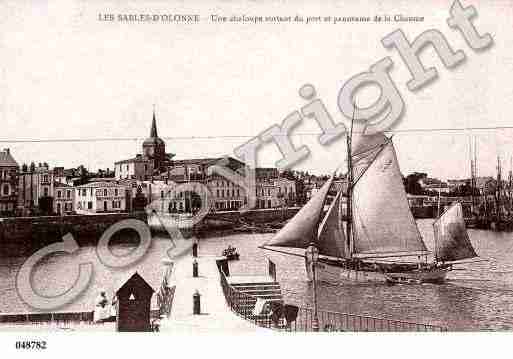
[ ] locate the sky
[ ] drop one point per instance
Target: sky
(76, 90)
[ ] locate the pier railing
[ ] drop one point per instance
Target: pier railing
(62, 320)
(243, 304)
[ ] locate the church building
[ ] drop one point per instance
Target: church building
(150, 163)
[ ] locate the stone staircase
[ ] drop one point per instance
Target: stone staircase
(270, 291)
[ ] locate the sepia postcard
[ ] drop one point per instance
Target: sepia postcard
(271, 169)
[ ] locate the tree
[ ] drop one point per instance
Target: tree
(412, 183)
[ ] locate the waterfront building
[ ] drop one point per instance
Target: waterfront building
(100, 197)
(266, 194)
(36, 189)
(226, 195)
(433, 185)
(64, 200)
(150, 163)
(286, 191)
(456, 184)
(8, 183)
(197, 169)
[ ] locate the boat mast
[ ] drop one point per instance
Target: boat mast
(472, 180)
(499, 189)
(349, 203)
(439, 194)
(510, 174)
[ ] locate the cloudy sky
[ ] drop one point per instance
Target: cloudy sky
(78, 90)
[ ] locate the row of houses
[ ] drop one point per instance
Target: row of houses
(486, 183)
(153, 176)
(41, 190)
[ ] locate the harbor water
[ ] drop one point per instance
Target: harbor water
(476, 296)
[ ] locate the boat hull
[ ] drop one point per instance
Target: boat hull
(334, 274)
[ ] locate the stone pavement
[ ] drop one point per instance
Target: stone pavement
(215, 313)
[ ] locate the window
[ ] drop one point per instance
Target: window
(222, 193)
(59, 194)
(238, 192)
(6, 190)
(115, 192)
(105, 192)
(45, 191)
(68, 194)
(161, 194)
(89, 205)
(217, 193)
(84, 192)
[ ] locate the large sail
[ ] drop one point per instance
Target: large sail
(382, 220)
(302, 229)
(451, 238)
(364, 150)
(331, 238)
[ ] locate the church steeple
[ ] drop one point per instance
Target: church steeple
(154, 147)
(153, 132)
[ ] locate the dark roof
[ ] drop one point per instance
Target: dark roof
(60, 184)
(135, 159)
(6, 159)
(136, 284)
(232, 162)
(100, 184)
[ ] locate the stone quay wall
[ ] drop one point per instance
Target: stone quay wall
(22, 236)
(254, 215)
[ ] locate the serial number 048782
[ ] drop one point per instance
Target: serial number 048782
(31, 344)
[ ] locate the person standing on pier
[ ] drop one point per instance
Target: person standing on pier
(101, 308)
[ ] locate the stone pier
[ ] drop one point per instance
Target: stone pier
(215, 313)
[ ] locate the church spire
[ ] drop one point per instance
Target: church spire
(153, 132)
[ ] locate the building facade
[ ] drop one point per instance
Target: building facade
(226, 195)
(100, 197)
(64, 200)
(286, 191)
(8, 184)
(36, 189)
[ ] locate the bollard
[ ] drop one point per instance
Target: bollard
(195, 268)
(195, 248)
(196, 303)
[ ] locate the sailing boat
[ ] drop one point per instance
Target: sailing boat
(380, 227)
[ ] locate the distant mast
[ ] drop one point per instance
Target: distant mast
(472, 178)
(498, 192)
(349, 202)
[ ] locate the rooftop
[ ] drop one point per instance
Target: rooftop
(99, 184)
(6, 159)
